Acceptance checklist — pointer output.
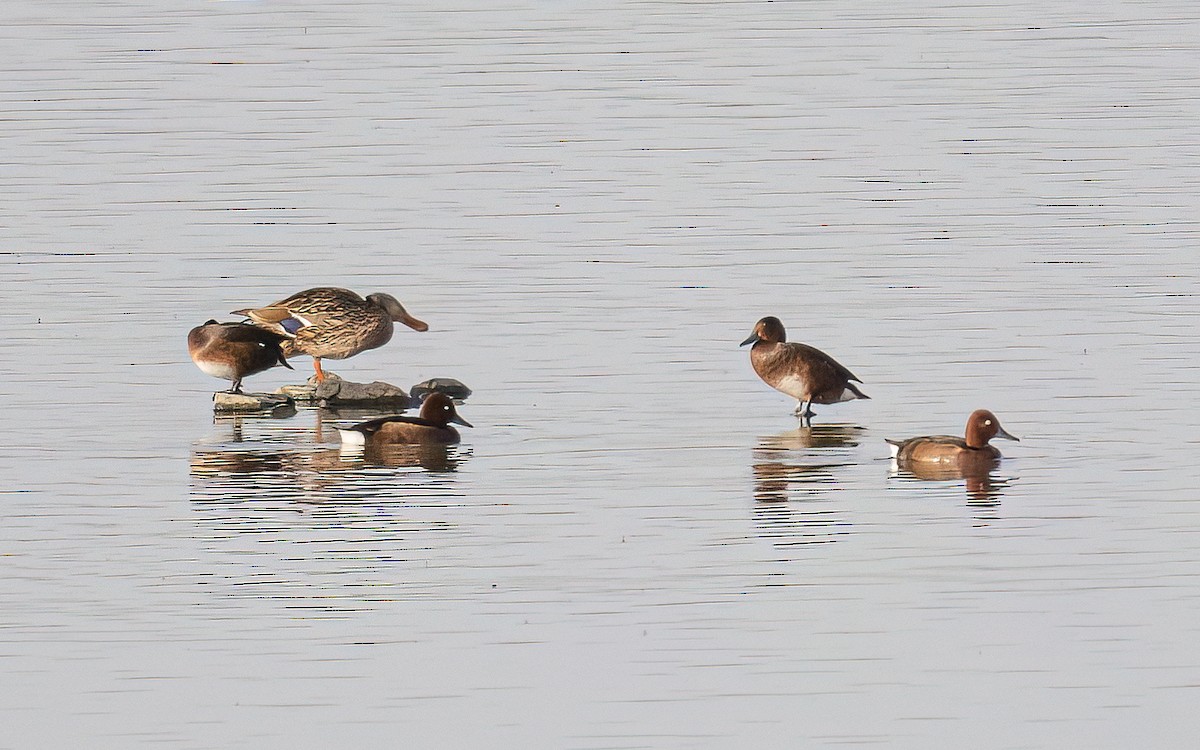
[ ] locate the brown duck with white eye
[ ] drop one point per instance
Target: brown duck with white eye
(803, 372)
(432, 426)
(332, 323)
(973, 449)
(232, 351)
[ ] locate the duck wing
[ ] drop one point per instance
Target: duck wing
(818, 359)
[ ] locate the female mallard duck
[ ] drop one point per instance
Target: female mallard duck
(232, 351)
(431, 427)
(332, 323)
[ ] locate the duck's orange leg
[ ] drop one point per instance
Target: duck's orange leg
(317, 367)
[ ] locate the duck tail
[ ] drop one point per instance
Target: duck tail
(857, 393)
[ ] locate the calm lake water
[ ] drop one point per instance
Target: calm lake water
(970, 206)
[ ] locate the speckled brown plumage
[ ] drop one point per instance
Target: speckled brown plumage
(333, 323)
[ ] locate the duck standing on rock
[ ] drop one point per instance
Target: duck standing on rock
(803, 372)
(431, 427)
(232, 351)
(332, 323)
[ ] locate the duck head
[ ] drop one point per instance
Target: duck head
(396, 310)
(439, 409)
(768, 329)
(982, 426)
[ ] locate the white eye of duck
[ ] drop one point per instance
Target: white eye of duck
(987, 422)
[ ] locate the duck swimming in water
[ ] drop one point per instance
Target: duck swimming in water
(431, 427)
(332, 323)
(968, 453)
(803, 372)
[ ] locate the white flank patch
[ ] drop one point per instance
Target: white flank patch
(792, 386)
(895, 449)
(352, 438)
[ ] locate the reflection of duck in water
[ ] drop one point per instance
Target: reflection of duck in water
(232, 351)
(983, 487)
(333, 323)
(805, 373)
(773, 480)
(433, 457)
(259, 459)
(804, 456)
(432, 426)
(815, 437)
(801, 465)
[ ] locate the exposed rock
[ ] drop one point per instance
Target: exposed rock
(225, 402)
(334, 390)
(449, 386)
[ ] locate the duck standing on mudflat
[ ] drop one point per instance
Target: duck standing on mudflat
(431, 427)
(332, 323)
(971, 452)
(232, 351)
(803, 372)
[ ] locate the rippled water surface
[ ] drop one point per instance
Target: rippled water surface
(970, 206)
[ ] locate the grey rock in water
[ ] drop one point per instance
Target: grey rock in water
(455, 389)
(225, 402)
(335, 390)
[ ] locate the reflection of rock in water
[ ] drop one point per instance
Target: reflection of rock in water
(793, 472)
(983, 487)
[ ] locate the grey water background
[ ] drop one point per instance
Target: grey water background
(970, 205)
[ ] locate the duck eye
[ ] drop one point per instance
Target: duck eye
(987, 422)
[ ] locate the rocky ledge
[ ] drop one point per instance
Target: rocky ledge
(334, 391)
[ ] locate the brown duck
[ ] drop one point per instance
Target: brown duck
(967, 452)
(232, 351)
(432, 426)
(805, 373)
(332, 323)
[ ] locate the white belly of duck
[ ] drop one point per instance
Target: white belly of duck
(221, 370)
